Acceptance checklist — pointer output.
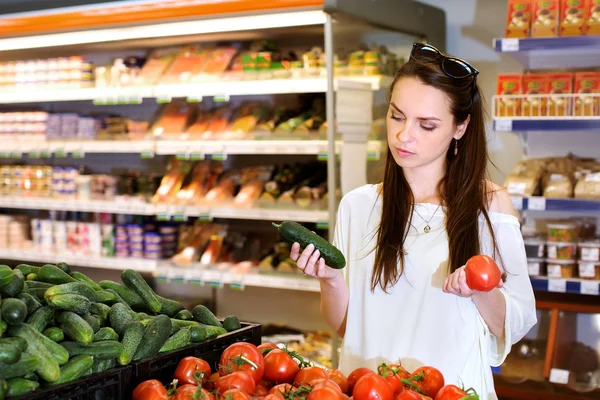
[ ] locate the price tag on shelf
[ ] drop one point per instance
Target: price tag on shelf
(219, 157)
(536, 203)
(509, 45)
(517, 202)
(590, 287)
(236, 282)
(503, 125)
(194, 99)
(176, 275)
(16, 154)
(221, 98)
(60, 153)
(163, 99)
(560, 376)
(78, 153)
(557, 285)
(193, 277)
(213, 278)
(196, 156)
(534, 269)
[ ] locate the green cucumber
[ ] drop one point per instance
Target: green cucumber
(93, 321)
(115, 298)
(203, 315)
(106, 297)
(101, 311)
(3, 389)
(27, 364)
(39, 285)
(84, 279)
(14, 311)
(184, 324)
(40, 319)
(174, 328)
(132, 337)
(55, 334)
(79, 288)
(142, 316)
(170, 307)
(20, 386)
(134, 281)
(129, 296)
(6, 275)
(75, 327)
(177, 341)
(31, 277)
(70, 302)
(231, 323)
(17, 342)
(103, 350)
(146, 322)
(105, 333)
(52, 274)
(58, 352)
(30, 301)
(9, 353)
(185, 315)
(197, 334)
(64, 267)
(155, 335)
(48, 368)
(75, 369)
(119, 317)
(3, 327)
(15, 286)
(213, 331)
(27, 269)
(102, 365)
(292, 232)
(24, 290)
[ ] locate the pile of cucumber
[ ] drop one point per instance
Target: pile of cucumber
(57, 326)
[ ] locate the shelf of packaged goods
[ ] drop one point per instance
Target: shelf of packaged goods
(548, 204)
(221, 276)
(75, 148)
(79, 260)
(553, 52)
(194, 92)
(523, 124)
(573, 286)
(99, 206)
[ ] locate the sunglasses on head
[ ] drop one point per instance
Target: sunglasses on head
(452, 66)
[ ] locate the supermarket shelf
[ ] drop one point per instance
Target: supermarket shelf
(192, 91)
(548, 204)
(100, 206)
(574, 286)
(76, 148)
(523, 124)
(577, 51)
(83, 261)
(215, 277)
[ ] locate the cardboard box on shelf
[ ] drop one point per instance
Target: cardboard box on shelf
(560, 83)
(509, 84)
(545, 18)
(593, 21)
(535, 84)
(518, 20)
(587, 83)
(573, 17)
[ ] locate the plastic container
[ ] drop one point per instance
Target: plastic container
(536, 266)
(562, 233)
(535, 247)
(589, 270)
(589, 251)
(561, 269)
(561, 250)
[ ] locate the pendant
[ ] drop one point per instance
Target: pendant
(427, 228)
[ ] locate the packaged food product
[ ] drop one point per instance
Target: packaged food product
(593, 22)
(535, 247)
(559, 186)
(518, 20)
(589, 270)
(524, 179)
(589, 251)
(561, 250)
(189, 62)
(538, 87)
(157, 64)
(508, 85)
(573, 17)
(560, 84)
(588, 85)
(561, 268)
(545, 18)
(562, 232)
(536, 266)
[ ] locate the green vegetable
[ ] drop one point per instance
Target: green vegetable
(3, 389)
(106, 297)
(105, 349)
(17, 342)
(105, 333)
(184, 314)
(6, 276)
(93, 321)
(27, 269)
(170, 307)
(177, 341)
(119, 317)
(15, 286)
(142, 316)
(27, 364)
(9, 353)
(14, 311)
(41, 318)
(20, 386)
(101, 311)
(30, 301)
(70, 302)
(197, 334)
(58, 352)
(75, 369)
(132, 337)
(63, 266)
(102, 365)
(292, 232)
(231, 323)
(55, 334)
(75, 327)
(184, 324)
(203, 315)
(3, 327)
(129, 296)
(115, 298)
(31, 277)
(79, 288)
(134, 281)
(39, 285)
(84, 279)
(51, 274)
(48, 368)
(155, 335)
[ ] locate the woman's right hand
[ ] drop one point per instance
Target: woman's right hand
(311, 263)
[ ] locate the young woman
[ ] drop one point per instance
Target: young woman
(403, 295)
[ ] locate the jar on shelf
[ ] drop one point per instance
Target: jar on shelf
(561, 269)
(536, 266)
(562, 232)
(535, 247)
(561, 250)
(589, 251)
(589, 270)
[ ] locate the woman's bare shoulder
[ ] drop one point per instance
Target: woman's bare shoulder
(499, 200)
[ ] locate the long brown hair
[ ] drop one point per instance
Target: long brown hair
(463, 189)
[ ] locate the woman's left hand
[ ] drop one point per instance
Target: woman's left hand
(456, 284)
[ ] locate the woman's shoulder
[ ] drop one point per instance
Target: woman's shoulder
(362, 196)
(499, 201)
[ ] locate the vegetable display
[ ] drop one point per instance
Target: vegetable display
(268, 372)
(57, 326)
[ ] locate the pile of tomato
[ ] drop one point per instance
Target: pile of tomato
(266, 372)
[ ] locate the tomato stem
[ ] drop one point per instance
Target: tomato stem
(410, 383)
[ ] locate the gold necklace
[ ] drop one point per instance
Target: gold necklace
(427, 228)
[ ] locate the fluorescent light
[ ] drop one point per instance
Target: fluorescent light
(217, 25)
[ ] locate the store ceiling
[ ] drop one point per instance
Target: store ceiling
(18, 6)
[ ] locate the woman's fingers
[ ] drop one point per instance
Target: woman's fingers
(295, 253)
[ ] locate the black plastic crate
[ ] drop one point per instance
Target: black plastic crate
(162, 366)
(109, 385)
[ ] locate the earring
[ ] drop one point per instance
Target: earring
(455, 147)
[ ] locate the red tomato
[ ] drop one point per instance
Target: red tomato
(273, 397)
(317, 383)
(372, 387)
(410, 395)
(309, 374)
(482, 273)
(236, 380)
(355, 376)
(283, 389)
(243, 357)
(187, 392)
(150, 390)
(267, 346)
(261, 390)
(192, 370)
(453, 392)
(325, 393)
(280, 367)
(236, 394)
(428, 379)
(338, 377)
